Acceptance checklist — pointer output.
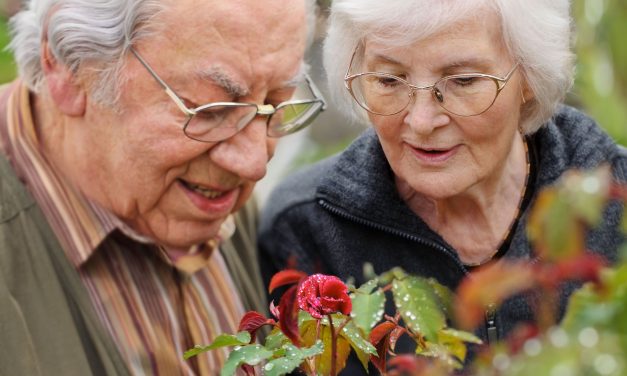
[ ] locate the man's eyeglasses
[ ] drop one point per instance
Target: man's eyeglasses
(218, 121)
(467, 94)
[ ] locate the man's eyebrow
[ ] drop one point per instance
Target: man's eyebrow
(219, 77)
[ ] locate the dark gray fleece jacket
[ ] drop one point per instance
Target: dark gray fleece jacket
(345, 211)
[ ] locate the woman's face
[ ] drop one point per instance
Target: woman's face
(431, 151)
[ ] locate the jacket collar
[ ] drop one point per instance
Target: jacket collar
(361, 184)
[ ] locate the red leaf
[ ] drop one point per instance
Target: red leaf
(252, 321)
(288, 319)
(248, 369)
(285, 277)
(490, 285)
(380, 338)
(585, 268)
(380, 331)
(274, 310)
(520, 335)
(407, 364)
(394, 336)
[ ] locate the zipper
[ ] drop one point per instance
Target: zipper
(326, 205)
(490, 322)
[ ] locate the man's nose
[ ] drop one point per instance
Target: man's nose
(246, 153)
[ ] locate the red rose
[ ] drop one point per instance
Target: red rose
(321, 295)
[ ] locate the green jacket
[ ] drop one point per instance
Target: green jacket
(47, 323)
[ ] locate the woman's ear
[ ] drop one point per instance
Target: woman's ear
(68, 95)
(526, 92)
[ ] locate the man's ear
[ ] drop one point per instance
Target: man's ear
(68, 95)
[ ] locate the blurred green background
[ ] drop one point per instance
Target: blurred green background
(601, 82)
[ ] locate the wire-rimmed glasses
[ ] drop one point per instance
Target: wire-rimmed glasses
(467, 94)
(218, 121)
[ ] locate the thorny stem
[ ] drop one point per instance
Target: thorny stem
(333, 346)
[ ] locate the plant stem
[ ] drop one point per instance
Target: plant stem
(333, 346)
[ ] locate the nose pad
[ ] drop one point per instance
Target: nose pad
(424, 115)
(437, 94)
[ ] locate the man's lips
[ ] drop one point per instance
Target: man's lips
(210, 200)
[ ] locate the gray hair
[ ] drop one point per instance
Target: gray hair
(80, 33)
(536, 33)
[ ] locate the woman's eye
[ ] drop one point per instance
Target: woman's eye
(464, 81)
(387, 81)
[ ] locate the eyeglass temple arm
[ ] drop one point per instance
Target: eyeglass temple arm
(348, 70)
(168, 91)
(503, 81)
(316, 92)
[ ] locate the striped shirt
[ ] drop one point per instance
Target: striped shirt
(154, 307)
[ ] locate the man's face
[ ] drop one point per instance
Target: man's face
(138, 163)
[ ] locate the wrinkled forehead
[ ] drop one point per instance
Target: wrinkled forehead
(248, 34)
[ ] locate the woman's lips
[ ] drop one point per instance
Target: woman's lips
(434, 156)
(211, 201)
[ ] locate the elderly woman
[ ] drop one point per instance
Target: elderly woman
(467, 127)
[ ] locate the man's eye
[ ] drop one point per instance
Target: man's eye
(213, 113)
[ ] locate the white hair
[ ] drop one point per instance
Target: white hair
(536, 33)
(97, 33)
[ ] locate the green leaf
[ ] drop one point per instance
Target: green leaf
(460, 335)
(418, 306)
(304, 316)
(251, 354)
(354, 336)
(310, 334)
(444, 294)
(362, 347)
(603, 308)
(223, 340)
(588, 192)
(391, 275)
(275, 339)
(292, 359)
(454, 342)
(367, 306)
(442, 354)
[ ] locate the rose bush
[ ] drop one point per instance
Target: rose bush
(319, 320)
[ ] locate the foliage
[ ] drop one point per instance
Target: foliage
(318, 323)
(7, 67)
(601, 83)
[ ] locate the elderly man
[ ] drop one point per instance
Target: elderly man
(135, 131)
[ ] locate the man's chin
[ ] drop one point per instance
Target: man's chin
(189, 236)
